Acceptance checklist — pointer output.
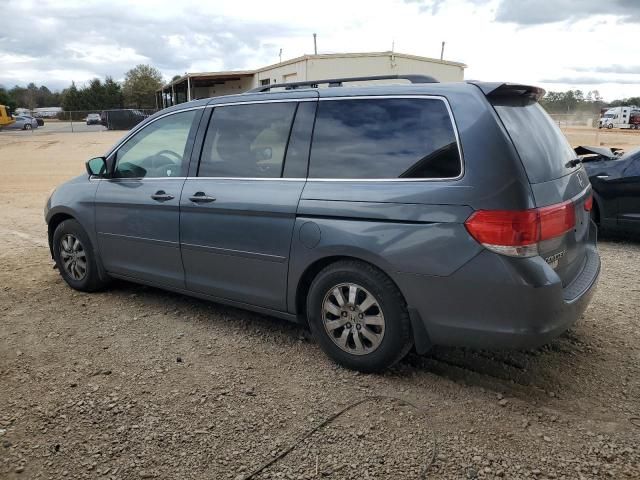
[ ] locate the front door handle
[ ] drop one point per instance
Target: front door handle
(602, 177)
(162, 196)
(201, 197)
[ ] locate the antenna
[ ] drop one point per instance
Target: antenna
(392, 57)
(315, 45)
(442, 52)
(280, 55)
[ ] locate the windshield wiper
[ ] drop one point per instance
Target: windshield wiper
(573, 163)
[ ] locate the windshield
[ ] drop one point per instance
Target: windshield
(609, 115)
(543, 148)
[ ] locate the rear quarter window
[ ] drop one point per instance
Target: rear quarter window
(541, 145)
(384, 138)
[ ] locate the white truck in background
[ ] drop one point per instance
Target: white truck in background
(621, 117)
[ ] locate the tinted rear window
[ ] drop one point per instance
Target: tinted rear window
(384, 138)
(542, 147)
(247, 141)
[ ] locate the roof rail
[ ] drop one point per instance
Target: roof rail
(337, 82)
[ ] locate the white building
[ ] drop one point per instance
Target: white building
(47, 112)
(192, 86)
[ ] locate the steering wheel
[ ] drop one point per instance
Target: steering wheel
(169, 153)
(165, 163)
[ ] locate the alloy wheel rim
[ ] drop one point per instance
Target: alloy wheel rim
(353, 319)
(73, 256)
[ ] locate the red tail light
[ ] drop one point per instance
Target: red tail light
(588, 203)
(556, 220)
(517, 232)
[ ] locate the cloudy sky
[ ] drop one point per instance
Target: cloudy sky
(559, 44)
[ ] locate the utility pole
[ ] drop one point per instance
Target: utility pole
(442, 52)
(280, 55)
(315, 45)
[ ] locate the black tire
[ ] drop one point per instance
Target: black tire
(397, 338)
(27, 126)
(90, 281)
(610, 126)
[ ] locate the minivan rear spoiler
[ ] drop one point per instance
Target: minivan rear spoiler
(509, 90)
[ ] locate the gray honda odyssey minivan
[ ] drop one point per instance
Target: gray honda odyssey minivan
(384, 216)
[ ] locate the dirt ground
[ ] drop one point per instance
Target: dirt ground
(138, 383)
(626, 139)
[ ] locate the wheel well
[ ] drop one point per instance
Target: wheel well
(310, 273)
(56, 220)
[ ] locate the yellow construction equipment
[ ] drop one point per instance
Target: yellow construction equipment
(5, 116)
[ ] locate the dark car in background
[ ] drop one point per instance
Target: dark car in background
(121, 119)
(615, 177)
(93, 119)
(381, 216)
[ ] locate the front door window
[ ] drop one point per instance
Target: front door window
(158, 150)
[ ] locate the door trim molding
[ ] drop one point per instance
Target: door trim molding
(166, 243)
(234, 253)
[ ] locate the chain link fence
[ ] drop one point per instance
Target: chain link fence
(582, 129)
(580, 120)
(85, 120)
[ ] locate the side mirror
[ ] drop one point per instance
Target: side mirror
(97, 167)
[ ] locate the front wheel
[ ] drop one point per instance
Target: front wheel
(27, 126)
(610, 126)
(75, 257)
(358, 316)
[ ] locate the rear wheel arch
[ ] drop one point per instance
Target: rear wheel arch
(356, 341)
(310, 273)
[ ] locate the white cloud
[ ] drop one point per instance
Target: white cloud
(552, 43)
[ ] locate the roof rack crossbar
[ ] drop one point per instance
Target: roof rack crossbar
(337, 82)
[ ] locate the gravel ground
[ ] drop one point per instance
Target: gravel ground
(137, 383)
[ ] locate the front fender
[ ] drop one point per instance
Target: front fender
(75, 199)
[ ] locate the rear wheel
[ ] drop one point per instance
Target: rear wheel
(27, 126)
(75, 258)
(359, 316)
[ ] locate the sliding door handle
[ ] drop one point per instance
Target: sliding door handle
(201, 197)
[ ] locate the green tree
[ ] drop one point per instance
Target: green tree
(6, 99)
(19, 95)
(112, 94)
(93, 96)
(47, 98)
(140, 85)
(71, 98)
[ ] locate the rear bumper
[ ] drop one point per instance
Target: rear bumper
(500, 302)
